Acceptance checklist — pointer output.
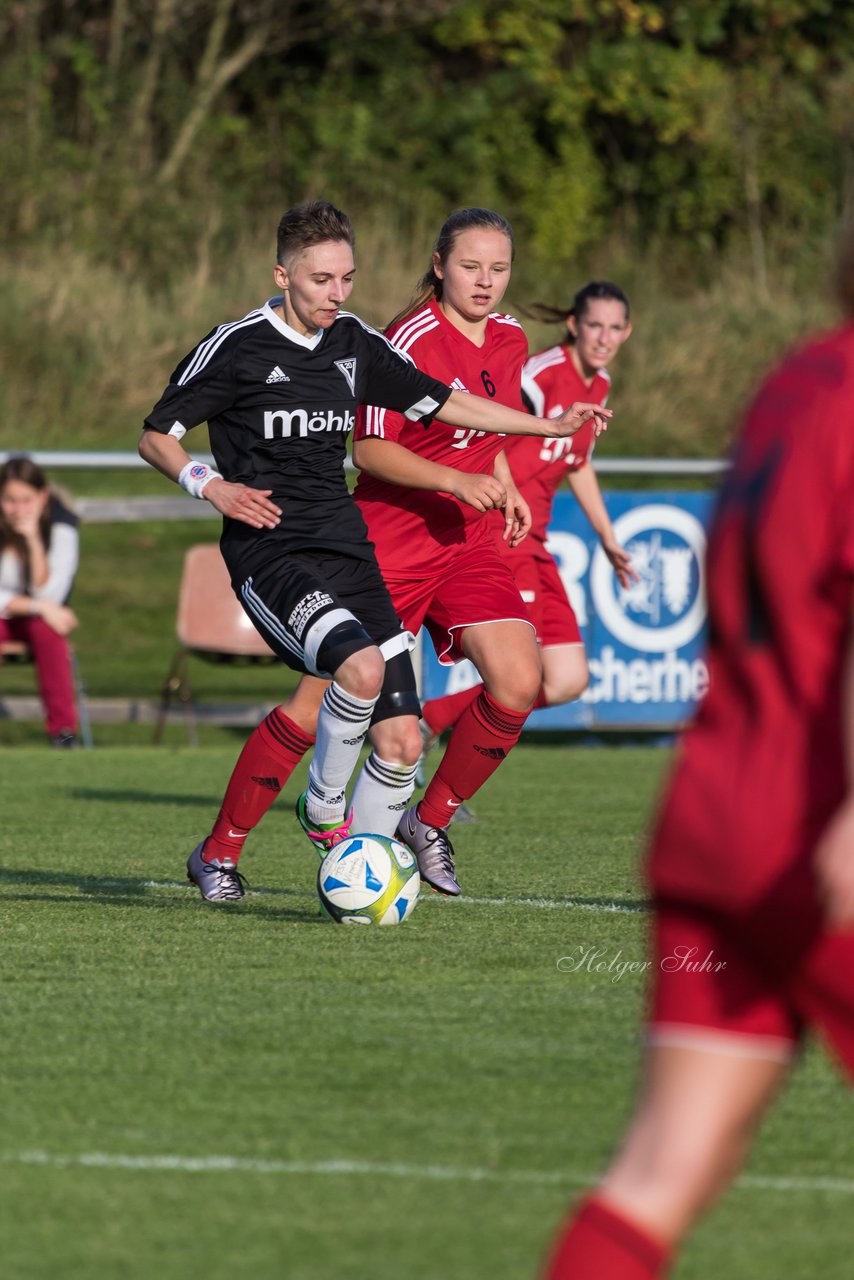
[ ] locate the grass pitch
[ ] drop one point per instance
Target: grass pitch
(251, 1092)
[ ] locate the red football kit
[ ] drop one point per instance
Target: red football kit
(437, 554)
(763, 768)
(550, 384)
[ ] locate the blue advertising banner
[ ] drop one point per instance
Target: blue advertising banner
(645, 645)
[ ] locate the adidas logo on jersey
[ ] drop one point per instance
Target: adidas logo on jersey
(277, 375)
(456, 385)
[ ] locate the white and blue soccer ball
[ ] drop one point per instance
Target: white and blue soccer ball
(368, 879)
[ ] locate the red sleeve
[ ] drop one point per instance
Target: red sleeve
(534, 388)
(546, 381)
(374, 421)
(846, 522)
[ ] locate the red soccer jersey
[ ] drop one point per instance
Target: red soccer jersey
(550, 384)
(416, 531)
(762, 768)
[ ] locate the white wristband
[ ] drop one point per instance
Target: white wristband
(195, 475)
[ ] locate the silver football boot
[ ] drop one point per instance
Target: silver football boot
(433, 851)
(217, 881)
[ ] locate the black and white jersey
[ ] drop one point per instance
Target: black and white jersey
(280, 407)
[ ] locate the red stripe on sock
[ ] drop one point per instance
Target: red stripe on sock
(482, 738)
(269, 757)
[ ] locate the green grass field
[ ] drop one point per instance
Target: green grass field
(250, 1093)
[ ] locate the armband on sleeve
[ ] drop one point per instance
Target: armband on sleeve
(195, 475)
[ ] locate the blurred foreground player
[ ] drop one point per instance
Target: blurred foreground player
(752, 859)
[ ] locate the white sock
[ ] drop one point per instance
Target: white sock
(342, 724)
(381, 794)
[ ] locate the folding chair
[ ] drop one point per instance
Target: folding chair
(18, 651)
(211, 625)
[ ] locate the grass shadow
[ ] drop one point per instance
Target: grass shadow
(233, 909)
(123, 886)
(127, 795)
(123, 891)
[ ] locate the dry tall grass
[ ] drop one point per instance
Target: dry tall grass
(85, 349)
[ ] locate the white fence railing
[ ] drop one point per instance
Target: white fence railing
(126, 509)
(83, 460)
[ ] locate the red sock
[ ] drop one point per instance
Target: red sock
(268, 759)
(599, 1244)
(482, 737)
(443, 713)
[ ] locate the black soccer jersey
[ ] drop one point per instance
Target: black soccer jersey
(280, 407)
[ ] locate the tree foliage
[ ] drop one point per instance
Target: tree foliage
(136, 126)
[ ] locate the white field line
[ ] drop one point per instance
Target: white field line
(551, 904)
(541, 904)
(370, 1168)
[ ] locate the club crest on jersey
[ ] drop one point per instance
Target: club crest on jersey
(348, 368)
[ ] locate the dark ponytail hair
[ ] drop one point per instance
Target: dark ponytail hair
(430, 286)
(591, 292)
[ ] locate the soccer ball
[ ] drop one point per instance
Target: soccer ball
(368, 879)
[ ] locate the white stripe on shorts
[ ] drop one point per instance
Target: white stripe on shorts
(268, 619)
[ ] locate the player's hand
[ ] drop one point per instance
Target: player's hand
(238, 502)
(621, 562)
(517, 518)
(575, 417)
(834, 864)
(26, 525)
(58, 617)
(481, 492)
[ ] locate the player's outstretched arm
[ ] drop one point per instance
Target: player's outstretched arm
(464, 410)
(237, 501)
(588, 495)
(387, 460)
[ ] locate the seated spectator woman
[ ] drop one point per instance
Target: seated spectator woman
(38, 560)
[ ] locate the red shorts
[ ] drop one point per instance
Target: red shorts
(476, 587)
(545, 598)
(753, 975)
